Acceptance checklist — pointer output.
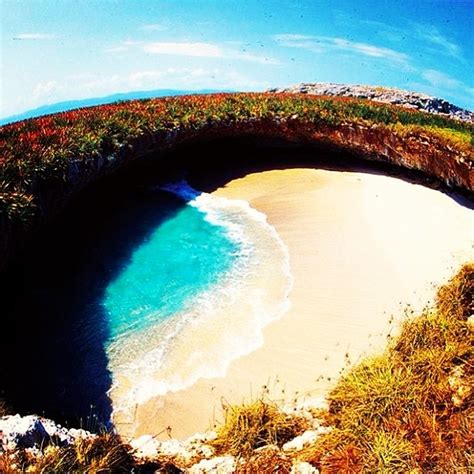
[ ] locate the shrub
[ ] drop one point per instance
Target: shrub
(251, 426)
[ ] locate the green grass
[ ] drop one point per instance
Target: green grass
(39, 153)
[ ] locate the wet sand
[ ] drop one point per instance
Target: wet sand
(362, 247)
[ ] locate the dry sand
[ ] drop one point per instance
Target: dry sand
(361, 248)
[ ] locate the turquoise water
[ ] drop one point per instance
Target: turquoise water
(192, 297)
(183, 257)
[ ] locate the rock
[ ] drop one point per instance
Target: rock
(470, 321)
(411, 100)
(35, 432)
(22, 432)
(219, 465)
(302, 467)
(197, 444)
(61, 436)
(305, 407)
(145, 446)
(461, 390)
(188, 450)
(174, 448)
(301, 441)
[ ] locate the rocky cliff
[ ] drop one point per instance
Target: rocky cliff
(44, 162)
(388, 95)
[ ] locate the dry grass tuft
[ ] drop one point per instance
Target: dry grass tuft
(267, 460)
(254, 425)
(410, 409)
(105, 453)
(4, 408)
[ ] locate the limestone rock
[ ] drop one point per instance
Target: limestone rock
(305, 407)
(302, 467)
(22, 432)
(195, 447)
(145, 446)
(36, 432)
(301, 441)
(470, 321)
(411, 100)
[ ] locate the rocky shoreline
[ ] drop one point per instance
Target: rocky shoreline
(387, 95)
(36, 436)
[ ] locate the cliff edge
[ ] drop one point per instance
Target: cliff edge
(387, 95)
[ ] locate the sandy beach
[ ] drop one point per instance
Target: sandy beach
(362, 247)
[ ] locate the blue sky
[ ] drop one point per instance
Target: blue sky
(55, 50)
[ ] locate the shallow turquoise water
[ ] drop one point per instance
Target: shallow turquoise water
(181, 258)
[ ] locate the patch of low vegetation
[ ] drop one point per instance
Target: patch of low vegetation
(105, 453)
(40, 153)
(254, 425)
(267, 460)
(410, 409)
(5, 408)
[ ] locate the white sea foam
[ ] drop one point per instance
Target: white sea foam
(219, 325)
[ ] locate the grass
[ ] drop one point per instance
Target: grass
(106, 453)
(254, 425)
(265, 461)
(41, 153)
(410, 409)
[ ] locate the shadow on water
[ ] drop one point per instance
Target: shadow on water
(54, 327)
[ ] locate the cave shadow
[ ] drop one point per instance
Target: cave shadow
(54, 327)
(211, 164)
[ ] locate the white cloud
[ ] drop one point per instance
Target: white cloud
(180, 78)
(206, 50)
(320, 44)
(153, 27)
(288, 37)
(34, 36)
(440, 79)
(439, 82)
(192, 49)
(431, 34)
(45, 89)
(117, 49)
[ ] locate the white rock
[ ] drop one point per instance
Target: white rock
(304, 406)
(173, 447)
(303, 468)
(219, 465)
(145, 446)
(301, 441)
(36, 432)
(202, 437)
(79, 433)
(22, 432)
(470, 321)
(197, 444)
(412, 100)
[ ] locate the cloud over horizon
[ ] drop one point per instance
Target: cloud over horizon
(321, 44)
(34, 36)
(197, 49)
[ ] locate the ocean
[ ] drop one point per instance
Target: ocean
(193, 297)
